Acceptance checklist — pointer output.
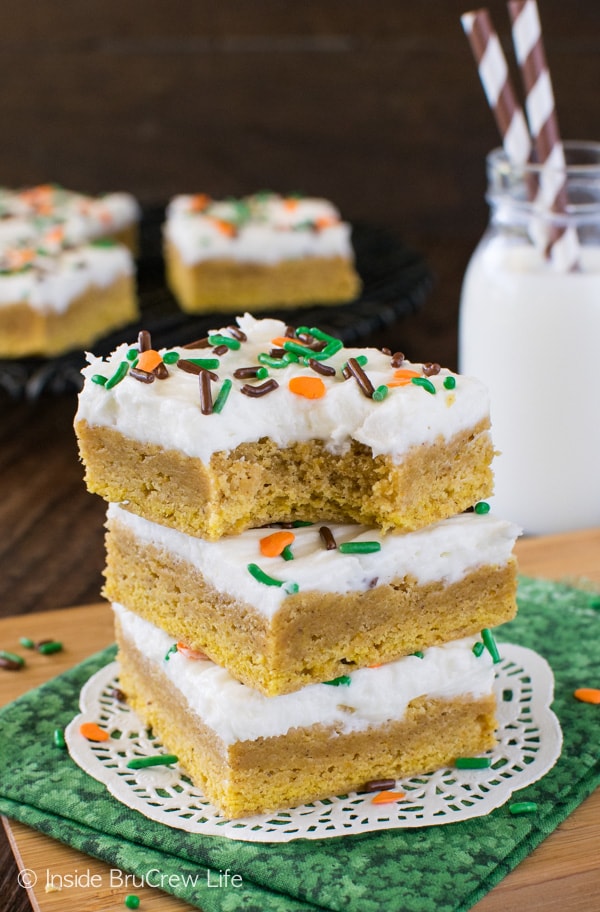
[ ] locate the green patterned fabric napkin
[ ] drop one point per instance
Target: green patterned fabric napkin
(429, 869)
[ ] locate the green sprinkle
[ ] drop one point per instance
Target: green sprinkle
(419, 654)
(99, 379)
(478, 648)
(262, 373)
(331, 349)
(450, 383)
(206, 363)
(297, 348)
(26, 642)
(481, 508)
(222, 395)
(228, 341)
(50, 648)
(132, 354)
(12, 657)
(316, 334)
(159, 760)
(301, 523)
(473, 763)
(119, 374)
(171, 357)
(424, 382)
(380, 393)
(361, 547)
(59, 738)
(103, 242)
(275, 363)
(132, 901)
(261, 577)
(490, 644)
(170, 651)
(342, 681)
(287, 553)
(523, 807)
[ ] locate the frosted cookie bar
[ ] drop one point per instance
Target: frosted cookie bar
(66, 269)
(250, 753)
(256, 252)
(283, 608)
(260, 423)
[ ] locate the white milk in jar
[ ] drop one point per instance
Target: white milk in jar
(530, 330)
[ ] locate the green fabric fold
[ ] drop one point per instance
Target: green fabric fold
(428, 869)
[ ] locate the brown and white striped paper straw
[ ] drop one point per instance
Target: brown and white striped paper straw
(497, 85)
(540, 106)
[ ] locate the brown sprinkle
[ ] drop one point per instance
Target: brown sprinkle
(430, 370)
(190, 368)
(361, 378)
(290, 332)
(277, 353)
(144, 340)
(206, 400)
(325, 369)
(220, 350)
(117, 694)
(142, 375)
(398, 359)
(199, 343)
(238, 334)
(386, 351)
(327, 538)
(161, 371)
(10, 664)
(346, 372)
(261, 390)
(378, 785)
(244, 373)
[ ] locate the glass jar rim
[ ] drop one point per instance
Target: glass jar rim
(582, 160)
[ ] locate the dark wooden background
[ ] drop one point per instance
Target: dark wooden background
(376, 105)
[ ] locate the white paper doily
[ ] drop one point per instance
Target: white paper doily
(529, 744)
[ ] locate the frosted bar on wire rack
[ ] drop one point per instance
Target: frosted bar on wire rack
(562, 244)
(497, 85)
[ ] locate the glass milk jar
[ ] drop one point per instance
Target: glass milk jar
(530, 329)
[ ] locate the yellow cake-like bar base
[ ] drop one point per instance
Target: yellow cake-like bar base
(232, 286)
(258, 483)
(24, 330)
(314, 636)
(249, 777)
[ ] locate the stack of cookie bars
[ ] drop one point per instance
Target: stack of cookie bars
(303, 569)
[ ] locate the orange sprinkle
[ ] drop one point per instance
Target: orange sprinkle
(290, 203)
(224, 227)
(325, 222)
(273, 545)
(279, 341)
(148, 360)
(373, 666)
(309, 387)
(93, 732)
(55, 235)
(387, 797)
(402, 377)
(199, 202)
(190, 653)
(587, 695)
(17, 258)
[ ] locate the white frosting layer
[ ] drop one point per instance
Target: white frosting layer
(375, 695)
(54, 282)
(266, 228)
(446, 551)
(33, 212)
(167, 413)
